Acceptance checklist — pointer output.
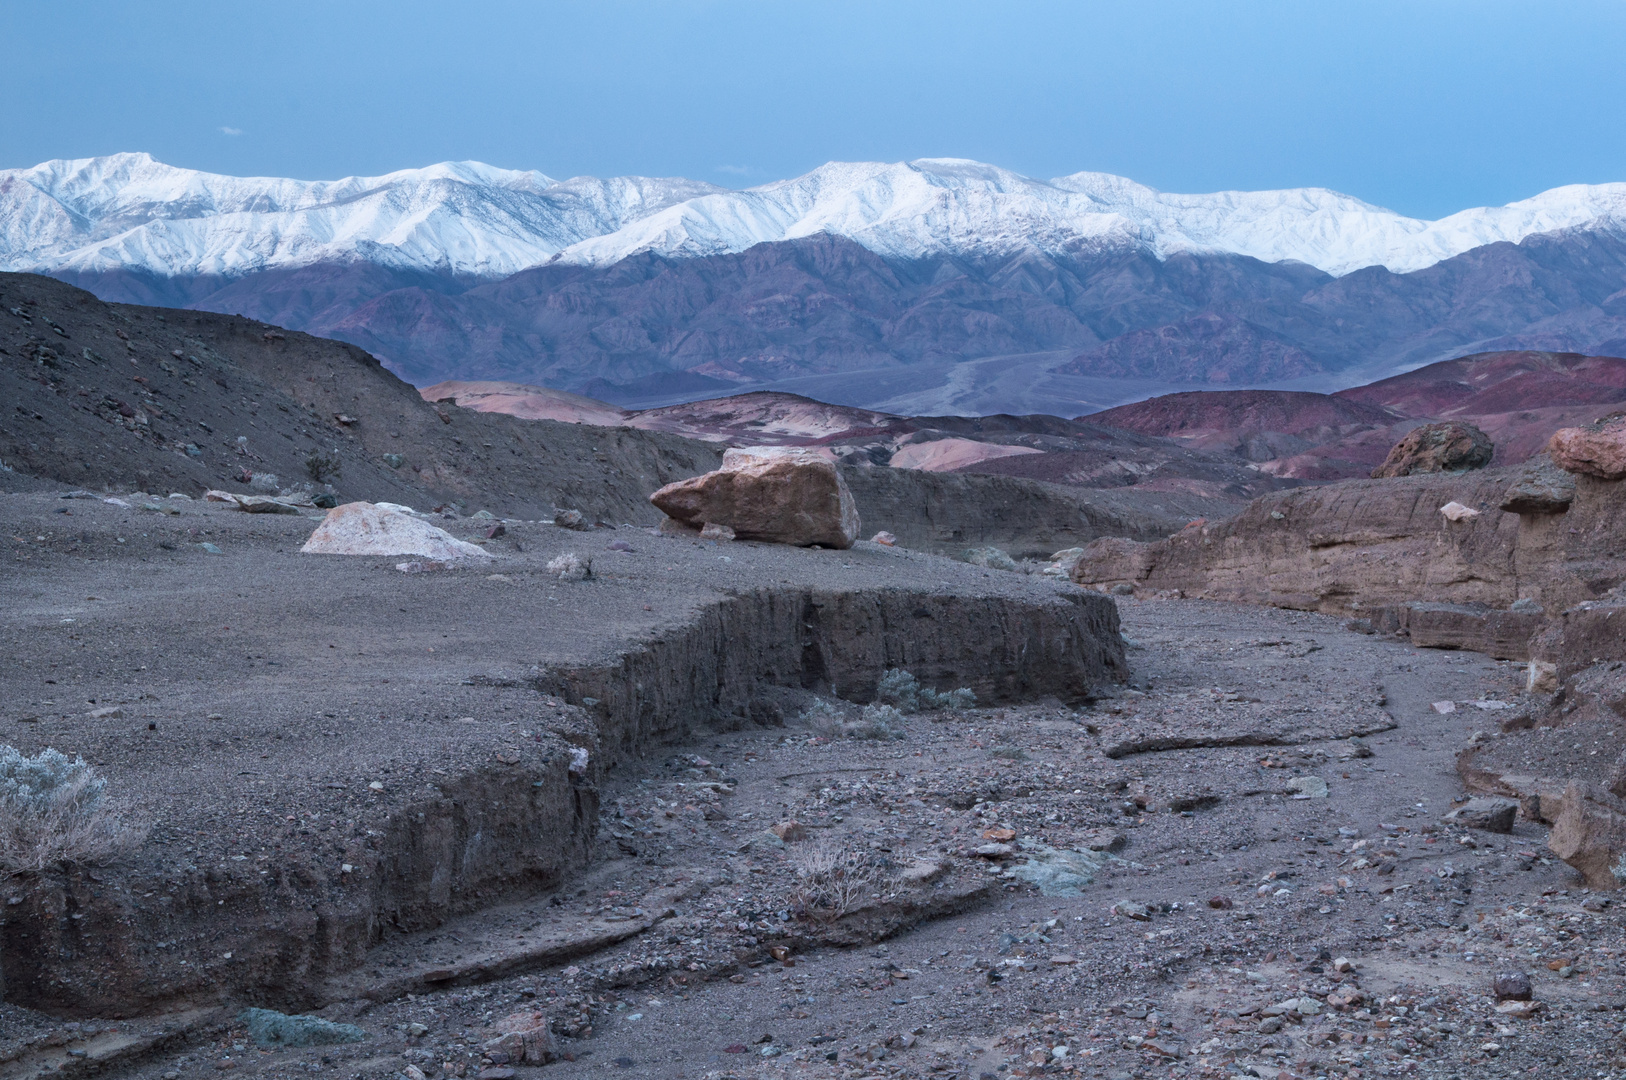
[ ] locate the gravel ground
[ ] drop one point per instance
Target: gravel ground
(1207, 922)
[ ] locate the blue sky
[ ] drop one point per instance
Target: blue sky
(1424, 107)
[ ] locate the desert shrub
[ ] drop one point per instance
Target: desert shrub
(992, 558)
(903, 692)
(53, 810)
(322, 465)
(822, 717)
(831, 880)
(899, 689)
(962, 698)
(877, 721)
(570, 567)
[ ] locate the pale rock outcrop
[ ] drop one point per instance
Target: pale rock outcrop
(1452, 446)
(1595, 450)
(781, 495)
(360, 528)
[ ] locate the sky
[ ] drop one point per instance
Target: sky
(1425, 107)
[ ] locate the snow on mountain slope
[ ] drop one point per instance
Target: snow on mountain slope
(128, 211)
(960, 207)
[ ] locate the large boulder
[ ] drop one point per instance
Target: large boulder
(361, 528)
(778, 495)
(1541, 488)
(1596, 450)
(1452, 446)
(1590, 835)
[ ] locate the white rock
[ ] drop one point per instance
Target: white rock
(365, 529)
(1455, 511)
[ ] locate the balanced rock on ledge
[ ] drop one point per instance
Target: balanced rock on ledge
(1596, 450)
(1449, 447)
(779, 495)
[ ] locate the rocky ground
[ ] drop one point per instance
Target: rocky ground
(1237, 864)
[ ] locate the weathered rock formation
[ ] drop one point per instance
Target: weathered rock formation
(779, 495)
(1541, 487)
(1453, 446)
(1382, 549)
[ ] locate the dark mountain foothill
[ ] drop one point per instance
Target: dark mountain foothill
(652, 329)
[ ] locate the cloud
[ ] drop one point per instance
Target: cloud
(738, 170)
(231, 131)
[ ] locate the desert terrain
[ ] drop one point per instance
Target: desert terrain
(1042, 780)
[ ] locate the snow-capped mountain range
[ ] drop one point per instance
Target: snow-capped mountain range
(128, 212)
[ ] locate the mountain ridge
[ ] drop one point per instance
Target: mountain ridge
(130, 211)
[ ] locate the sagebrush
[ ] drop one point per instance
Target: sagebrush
(903, 692)
(54, 811)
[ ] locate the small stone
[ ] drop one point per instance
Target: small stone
(885, 539)
(789, 831)
(1489, 815)
(412, 1072)
(1062, 959)
(712, 530)
(1103, 840)
(1443, 707)
(1511, 986)
(1541, 677)
(1343, 964)
(1518, 1010)
(999, 836)
(268, 1028)
(571, 519)
(1220, 903)
(109, 712)
(995, 851)
(1129, 909)
(1308, 787)
(1455, 511)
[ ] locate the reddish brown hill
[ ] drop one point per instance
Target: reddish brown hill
(1227, 419)
(1488, 383)
(1518, 398)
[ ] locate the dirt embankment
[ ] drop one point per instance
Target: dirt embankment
(331, 752)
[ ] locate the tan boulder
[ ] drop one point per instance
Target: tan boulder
(1596, 450)
(1589, 833)
(776, 494)
(361, 528)
(1452, 446)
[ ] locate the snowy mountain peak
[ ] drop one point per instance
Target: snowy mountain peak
(129, 211)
